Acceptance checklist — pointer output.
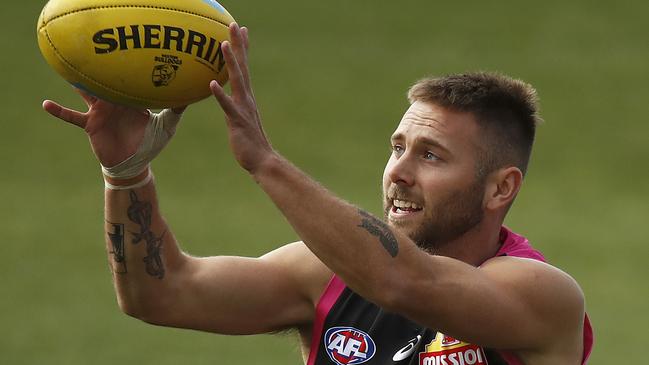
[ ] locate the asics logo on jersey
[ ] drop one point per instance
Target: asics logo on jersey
(348, 345)
(407, 350)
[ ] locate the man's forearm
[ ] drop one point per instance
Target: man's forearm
(142, 251)
(354, 244)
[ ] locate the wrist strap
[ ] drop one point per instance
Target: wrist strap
(139, 184)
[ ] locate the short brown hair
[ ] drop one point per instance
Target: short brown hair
(506, 109)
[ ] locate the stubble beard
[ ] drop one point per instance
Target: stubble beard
(453, 216)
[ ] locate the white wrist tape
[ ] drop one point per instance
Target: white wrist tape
(139, 184)
(157, 134)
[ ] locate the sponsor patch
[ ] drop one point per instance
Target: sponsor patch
(445, 350)
(348, 345)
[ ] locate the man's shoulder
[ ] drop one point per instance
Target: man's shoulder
(547, 293)
(532, 274)
(519, 264)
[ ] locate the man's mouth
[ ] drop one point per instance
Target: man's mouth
(405, 207)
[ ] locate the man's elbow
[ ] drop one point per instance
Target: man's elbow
(131, 308)
(391, 293)
(140, 310)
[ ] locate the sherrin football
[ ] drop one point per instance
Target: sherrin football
(143, 53)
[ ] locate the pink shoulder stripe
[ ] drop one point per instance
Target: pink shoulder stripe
(517, 245)
(589, 339)
(326, 302)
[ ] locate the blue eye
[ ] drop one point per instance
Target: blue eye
(397, 149)
(430, 156)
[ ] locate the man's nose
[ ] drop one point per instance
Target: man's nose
(401, 171)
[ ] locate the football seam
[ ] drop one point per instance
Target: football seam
(70, 65)
(47, 21)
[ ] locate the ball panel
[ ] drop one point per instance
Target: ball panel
(158, 62)
(136, 55)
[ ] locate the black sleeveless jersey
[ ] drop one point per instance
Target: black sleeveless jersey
(351, 330)
(356, 331)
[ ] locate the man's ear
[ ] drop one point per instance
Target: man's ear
(502, 186)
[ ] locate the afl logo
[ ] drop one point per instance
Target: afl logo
(348, 345)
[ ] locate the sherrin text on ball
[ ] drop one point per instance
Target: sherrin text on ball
(143, 53)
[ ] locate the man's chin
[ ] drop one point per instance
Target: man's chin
(397, 224)
(409, 226)
(406, 228)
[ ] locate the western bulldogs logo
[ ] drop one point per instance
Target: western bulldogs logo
(348, 345)
(163, 74)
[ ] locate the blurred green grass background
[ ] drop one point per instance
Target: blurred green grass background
(330, 78)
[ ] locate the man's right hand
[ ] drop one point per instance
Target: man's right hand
(115, 132)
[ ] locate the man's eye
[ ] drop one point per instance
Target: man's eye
(397, 149)
(430, 156)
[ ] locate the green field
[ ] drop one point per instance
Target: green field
(330, 78)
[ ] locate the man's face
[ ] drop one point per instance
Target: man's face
(430, 188)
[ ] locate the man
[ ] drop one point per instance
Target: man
(442, 282)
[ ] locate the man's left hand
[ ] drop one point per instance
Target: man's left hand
(247, 138)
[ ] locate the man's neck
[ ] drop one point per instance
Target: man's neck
(475, 246)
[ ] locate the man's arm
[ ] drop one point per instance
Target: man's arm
(507, 304)
(156, 282)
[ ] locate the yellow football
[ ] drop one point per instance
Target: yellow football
(144, 53)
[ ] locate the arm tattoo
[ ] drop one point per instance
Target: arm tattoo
(117, 241)
(378, 228)
(140, 213)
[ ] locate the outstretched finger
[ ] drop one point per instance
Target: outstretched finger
(89, 99)
(237, 80)
(68, 115)
(238, 44)
(244, 33)
(240, 51)
(224, 100)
